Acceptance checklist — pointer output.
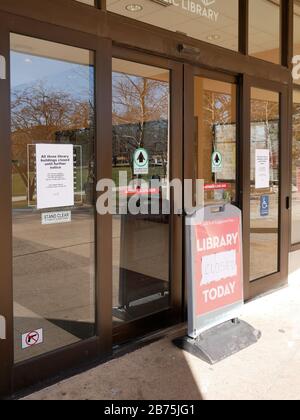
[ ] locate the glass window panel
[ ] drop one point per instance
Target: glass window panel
(52, 104)
(296, 170)
(264, 30)
(216, 23)
(264, 183)
(141, 243)
(215, 131)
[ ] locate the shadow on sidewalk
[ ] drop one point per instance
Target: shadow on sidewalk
(157, 371)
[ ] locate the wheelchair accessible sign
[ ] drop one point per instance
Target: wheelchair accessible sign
(264, 205)
(141, 162)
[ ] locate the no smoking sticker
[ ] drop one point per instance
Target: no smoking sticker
(32, 338)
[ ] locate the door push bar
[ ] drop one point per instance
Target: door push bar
(2, 328)
(2, 68)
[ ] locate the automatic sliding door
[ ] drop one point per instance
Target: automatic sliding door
(53, 162)
(141, 143)
(215, 139)
(265, 186)
(264, 183)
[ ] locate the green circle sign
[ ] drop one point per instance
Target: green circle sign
(217, 160)
(141, 158)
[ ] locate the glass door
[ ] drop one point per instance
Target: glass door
(211, 136)
(215, 138)
(145, 242)
(53, 288)
(234, 146)
(53, 200)
(265, 186)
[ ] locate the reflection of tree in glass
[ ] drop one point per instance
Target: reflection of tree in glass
(217, 108)
(140, 117)
(38, 114)
(265, 118)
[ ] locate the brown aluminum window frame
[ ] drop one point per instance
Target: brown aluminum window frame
(145, 37)
(15, 376)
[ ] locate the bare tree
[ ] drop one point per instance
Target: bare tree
(138, 100)
(38, 113)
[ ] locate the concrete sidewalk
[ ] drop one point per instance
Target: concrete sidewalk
(268, 370)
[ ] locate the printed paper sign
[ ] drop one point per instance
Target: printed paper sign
(218, 265)
(56, 217)
(54, 175)
(262, 169)
(32, 338)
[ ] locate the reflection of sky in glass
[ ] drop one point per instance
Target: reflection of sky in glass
(73, 78)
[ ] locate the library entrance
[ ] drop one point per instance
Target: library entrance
(81, 106)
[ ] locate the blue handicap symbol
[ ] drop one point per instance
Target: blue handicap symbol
(264, 205)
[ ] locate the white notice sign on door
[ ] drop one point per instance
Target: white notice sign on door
(54, 175)
(262, 169)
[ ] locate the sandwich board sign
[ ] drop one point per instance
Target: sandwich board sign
(214, 260)
(215, 267)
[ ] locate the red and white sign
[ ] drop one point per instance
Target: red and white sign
(213, 187)
(139, 191)
(218, 265)
(32, 338)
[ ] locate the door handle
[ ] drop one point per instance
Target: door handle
(287, 203)
(2, 328)
(2, 68)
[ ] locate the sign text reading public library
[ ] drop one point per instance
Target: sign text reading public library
(202, 9)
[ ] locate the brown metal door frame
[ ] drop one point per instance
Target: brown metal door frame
(174, 314)
(6, 290)
(294, 247)
(16, 376)
(271, 282)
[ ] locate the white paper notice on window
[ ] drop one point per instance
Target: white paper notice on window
(54, 175)
(262, 169)
(217, 267)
